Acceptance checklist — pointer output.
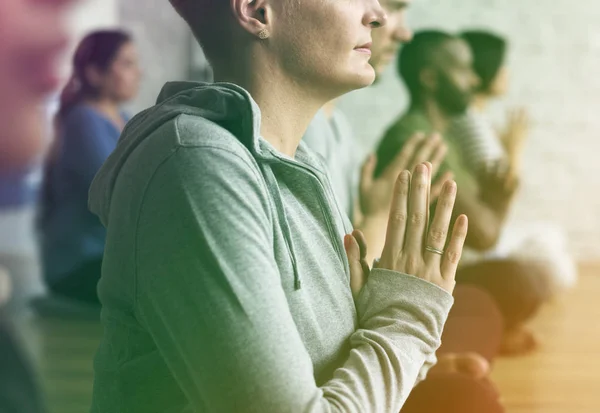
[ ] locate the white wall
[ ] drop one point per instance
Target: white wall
(88, 15)
(555, 60)
(164, 42)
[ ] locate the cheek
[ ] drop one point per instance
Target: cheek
(310, 49)
(127, 80)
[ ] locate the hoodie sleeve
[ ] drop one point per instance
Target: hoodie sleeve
(209, 293)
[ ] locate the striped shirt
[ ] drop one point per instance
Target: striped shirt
(476, 140)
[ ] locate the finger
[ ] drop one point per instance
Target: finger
(427, 149)
(438, 186)
(362, 244)
(438, 232)
(366, 173)
(404, 157)
(417, 211)
(357, 276)
(455, 247)
(429, 178)
(438, 157)
(396, 230)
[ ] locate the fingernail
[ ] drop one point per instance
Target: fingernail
(421, 169)
(450, 187)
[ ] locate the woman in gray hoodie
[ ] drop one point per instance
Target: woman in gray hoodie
(232, 281)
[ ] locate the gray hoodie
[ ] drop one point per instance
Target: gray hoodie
(225, 285)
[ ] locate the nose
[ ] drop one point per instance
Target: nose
(375, 15)
(403, 34)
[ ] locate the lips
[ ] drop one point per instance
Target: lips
(365, 48)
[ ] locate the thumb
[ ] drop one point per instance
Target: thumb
(367, 172)
(357, 276)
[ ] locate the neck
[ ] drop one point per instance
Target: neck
(329, 108)
(107, 106)
(287, 107)
(480, 102)
(438, 118)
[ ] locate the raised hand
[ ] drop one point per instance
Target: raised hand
(376, 193)
(413, 248)
(517, 130)
(498, 184)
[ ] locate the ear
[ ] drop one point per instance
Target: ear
(429, 79)
(254, 16)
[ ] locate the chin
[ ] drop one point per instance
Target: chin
(365, 77)
(338, 84)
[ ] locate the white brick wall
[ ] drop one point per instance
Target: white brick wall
(555, 60)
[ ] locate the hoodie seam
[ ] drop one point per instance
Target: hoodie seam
(167, 157)
(137, 223)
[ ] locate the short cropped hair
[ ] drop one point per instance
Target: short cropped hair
(208, 21)
(418, 55)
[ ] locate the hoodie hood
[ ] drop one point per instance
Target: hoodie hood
(225, 104)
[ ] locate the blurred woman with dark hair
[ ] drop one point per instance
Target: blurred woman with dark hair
(88, 124)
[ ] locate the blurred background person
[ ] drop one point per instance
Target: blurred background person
(483, 146)
(437, 68)
(32, 37)
(473, 331)
(106, 74)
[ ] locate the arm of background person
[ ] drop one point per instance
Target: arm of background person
(87, 144)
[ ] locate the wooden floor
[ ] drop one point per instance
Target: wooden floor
(563, 377)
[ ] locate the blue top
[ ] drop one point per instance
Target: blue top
(71, 235)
